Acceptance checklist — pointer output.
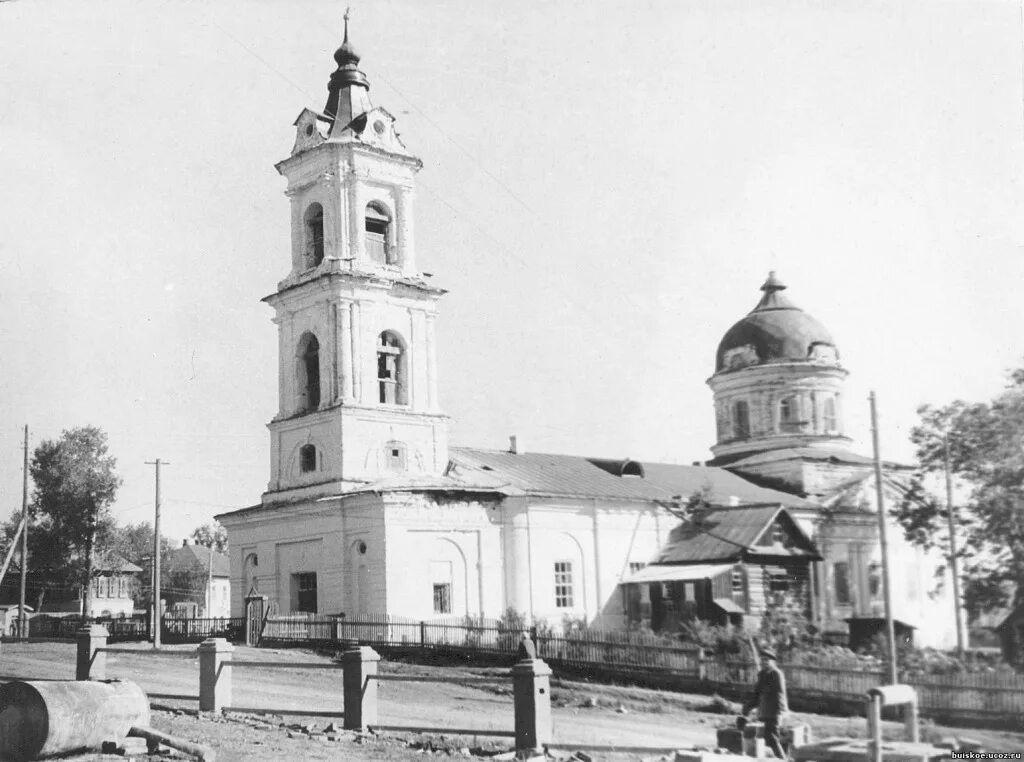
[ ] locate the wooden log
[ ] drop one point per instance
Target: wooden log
(156, 737)
(40, 718)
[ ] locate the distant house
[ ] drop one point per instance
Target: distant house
(726, 565)
(190, 564)
(111, 588)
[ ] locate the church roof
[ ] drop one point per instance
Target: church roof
(776, 330)
(804, 453)
(578, 476)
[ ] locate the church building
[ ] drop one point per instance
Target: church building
(369, 510)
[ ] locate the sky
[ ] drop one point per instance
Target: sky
(605, 187)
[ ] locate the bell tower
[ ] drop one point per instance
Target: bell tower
(357, 373)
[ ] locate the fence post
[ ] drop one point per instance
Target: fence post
(531, 683)
(214, 675)
(702, 670)
(92, 662)
(423, 634)
(359, 665)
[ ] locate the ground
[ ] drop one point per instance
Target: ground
(606, 722)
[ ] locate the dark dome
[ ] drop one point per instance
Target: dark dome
(777, 331)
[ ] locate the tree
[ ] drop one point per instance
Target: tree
(211, 535)
(987, 458)
(74, 486)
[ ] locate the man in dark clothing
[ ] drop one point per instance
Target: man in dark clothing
(770, 700)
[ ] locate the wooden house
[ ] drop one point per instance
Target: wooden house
(725, 565)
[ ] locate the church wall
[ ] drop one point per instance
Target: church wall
(600, 539)
(441, 541)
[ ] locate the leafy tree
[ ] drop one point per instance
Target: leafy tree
(74, 486)
(986, 457)
(211, 535)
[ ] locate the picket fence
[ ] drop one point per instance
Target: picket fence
(994, 698)
(135, 628)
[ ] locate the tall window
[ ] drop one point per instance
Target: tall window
(841, 580)
(563, 585)
(788, 413)
(441, 576)
(740, 419)
(304, 592)
(309, 373)
(378, 225)
(307, 458)
(830, 414)
(314, 235)
(391, 369)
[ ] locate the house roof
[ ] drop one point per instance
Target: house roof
(666, 573)
(731, 534)
(199, 555)
(573, 475)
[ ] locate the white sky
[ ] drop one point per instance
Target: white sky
(606, 185)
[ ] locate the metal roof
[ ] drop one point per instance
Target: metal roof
(667, 573)
(573, 475)
(728, 534)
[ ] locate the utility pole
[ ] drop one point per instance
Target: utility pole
(953, 562)
(156, 554)
(890, 627)
(22, 615)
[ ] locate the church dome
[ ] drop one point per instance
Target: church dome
(775, 331)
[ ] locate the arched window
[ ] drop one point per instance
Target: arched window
(314, 235)
(378, 234)
(830, 415)
(740, 419)
(307, 458)
(391, 369)
(309, 373)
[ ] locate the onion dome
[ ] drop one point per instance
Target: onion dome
(346, 75)
(775, 331)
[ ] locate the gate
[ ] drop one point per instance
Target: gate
(255, 617)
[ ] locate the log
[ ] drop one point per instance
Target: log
(39, 719)
(155, 737)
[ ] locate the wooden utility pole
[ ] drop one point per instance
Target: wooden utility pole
(953, 562)
(22, 614)
(156, 555)
(890, 627)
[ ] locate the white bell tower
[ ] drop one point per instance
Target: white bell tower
(357, 372)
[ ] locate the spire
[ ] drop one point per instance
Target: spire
(347, 75)
(773, 298)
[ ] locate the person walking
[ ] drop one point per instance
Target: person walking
(769, 698)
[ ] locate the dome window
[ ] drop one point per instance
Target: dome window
(830, 415)
(740, 420)
(789, 416)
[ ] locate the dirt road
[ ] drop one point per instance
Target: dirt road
(594, 718)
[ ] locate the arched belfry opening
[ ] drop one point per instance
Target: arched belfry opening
(313, 229)
(392, 370)
(378, 234)
(308, 357)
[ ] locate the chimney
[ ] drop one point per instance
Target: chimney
(515, 445)
(184, 543)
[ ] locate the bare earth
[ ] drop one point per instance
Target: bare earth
(600, 720)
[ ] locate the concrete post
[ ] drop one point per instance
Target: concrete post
(92, 662)
(214, 674)
(531, 681)
(359, 664)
